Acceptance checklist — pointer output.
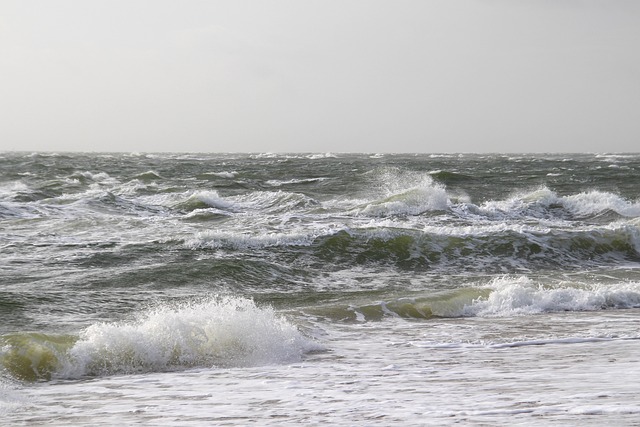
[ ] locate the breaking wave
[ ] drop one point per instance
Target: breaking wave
(216, 332)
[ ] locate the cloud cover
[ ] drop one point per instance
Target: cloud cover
(354, 75)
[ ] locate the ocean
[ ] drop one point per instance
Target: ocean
(324, 289)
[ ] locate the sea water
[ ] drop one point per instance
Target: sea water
(333, 289)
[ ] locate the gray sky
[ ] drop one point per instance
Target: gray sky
(320, 75)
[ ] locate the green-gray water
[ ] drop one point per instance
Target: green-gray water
(127, 266)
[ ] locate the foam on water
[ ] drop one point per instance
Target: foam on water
(214, 239)
(11, 398)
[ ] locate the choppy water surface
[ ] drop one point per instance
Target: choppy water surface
(331, 289)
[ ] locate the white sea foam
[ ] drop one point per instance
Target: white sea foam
(521, 296)
(219, 331)
(215, 239)
(537, 203)
(11, 398)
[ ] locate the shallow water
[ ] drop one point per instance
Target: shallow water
(469, 371)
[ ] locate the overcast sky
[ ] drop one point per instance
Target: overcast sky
(320, 75)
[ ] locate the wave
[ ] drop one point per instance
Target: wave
(544, 203)
(202, 200)
(414, 201)
(481, 249)
(257, 201)
(215, 332)
(426, 198)
(502, 297)
(493, 248)
(387, 192)
(274, 201)
(394, 192)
